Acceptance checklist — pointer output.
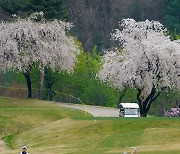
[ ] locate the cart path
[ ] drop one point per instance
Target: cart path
(96, 111)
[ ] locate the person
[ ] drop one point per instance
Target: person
(24, 150)
(134, 151)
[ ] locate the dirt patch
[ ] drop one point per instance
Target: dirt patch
(2, 145)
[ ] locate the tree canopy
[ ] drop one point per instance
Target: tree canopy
(149, 61)
(25, 42)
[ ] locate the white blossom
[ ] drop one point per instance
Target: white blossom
(148, 58)
(25, 42)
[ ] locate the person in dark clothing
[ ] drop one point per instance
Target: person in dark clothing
(24, 150)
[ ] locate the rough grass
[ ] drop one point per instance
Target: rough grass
(48, 128)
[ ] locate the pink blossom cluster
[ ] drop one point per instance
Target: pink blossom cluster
(174, 112)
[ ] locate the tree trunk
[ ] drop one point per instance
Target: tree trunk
(144, 111)
(27, 75)
(41, 82)
(143, 115)
(145, 105)
(49, 80)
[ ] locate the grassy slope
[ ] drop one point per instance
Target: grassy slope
(48, 129)
(20, 115)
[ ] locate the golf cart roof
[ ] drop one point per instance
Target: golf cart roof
(129, 105)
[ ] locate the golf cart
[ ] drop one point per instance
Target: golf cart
(128, 110)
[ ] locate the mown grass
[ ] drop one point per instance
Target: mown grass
(47, 128)
(21, 115)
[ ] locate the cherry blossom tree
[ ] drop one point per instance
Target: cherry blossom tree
(26, 42)
(147, 60)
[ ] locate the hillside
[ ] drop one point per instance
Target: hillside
(47, 128)
(94, 20)
(21, 115)
(3, 14)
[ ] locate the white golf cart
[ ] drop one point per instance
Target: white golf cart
(128, 110)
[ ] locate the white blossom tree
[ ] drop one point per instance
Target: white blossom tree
(147, 60)
(26, 42)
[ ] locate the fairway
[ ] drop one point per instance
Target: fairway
(45, 127)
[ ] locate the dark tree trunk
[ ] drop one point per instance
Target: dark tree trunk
(144, 114)
(145, 105)
(41, 83)
(49, 79)
(27, 75)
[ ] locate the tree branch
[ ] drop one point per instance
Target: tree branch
(153, 90)
(154, 98)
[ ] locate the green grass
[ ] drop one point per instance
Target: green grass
(47, 128)
(20, 115)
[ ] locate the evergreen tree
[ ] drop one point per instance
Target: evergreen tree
(172, 17)
(10, 6)
(53, 9)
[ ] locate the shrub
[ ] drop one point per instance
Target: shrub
(175, 112)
